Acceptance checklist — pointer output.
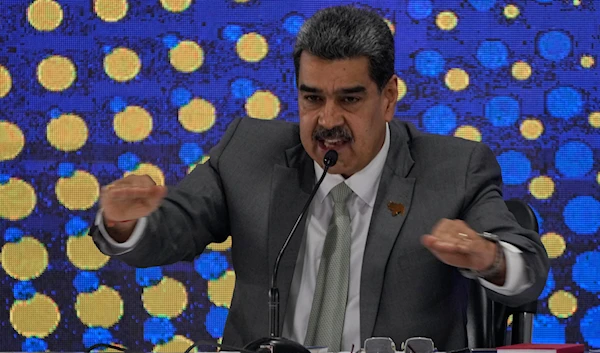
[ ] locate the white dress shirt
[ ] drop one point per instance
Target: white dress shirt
(364, 184)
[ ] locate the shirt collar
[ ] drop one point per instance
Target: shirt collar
(364, 182)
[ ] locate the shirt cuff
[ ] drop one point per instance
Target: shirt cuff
(516, 280)
(125, 247)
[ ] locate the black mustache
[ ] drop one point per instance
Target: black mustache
(337, 133)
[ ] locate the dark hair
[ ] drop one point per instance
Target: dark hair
(345, 32)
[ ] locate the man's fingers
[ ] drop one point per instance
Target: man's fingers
(446, 245)
(121, 193)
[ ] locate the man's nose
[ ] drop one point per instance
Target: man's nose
(331, 115)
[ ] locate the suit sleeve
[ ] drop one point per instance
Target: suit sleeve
(484, 210)
(192, 215)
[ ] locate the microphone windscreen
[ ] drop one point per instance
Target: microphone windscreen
(330, 158)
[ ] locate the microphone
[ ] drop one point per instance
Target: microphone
(275, 343)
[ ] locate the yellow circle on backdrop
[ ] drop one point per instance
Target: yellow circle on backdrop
(177, 344)
(446, 20)
(468, 132)
(224, 246)
(122, 64)
(555, 244)
(521, 70)
(511, 11)
(187, 56)
(220, 290)
(198, 115)
(133, 124)
(103, 307)
(457, 79)
(175, 5)
(541, 187)
(587, 61)
(598, 178)
(151, 170)
(5, 81)
(56, 73)
(84, 255)
(401, 89)
(168, 298)
(25, 259)
(263, 105)
(36, 317)
(12, 140)
(252, 47)
(531, 129)
(594, 119)
(68, 132)
(562, 304)
(111, 10)
(17, 199)
(78, 192)
(44, 15)
(193, 166)
(390, 26)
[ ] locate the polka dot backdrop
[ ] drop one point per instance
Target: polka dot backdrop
(91, 91)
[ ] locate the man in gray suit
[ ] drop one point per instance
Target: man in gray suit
(424, 215)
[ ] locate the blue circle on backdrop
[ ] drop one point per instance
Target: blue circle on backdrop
(515, 166)
(170, 41)
(117, 104)
(439, 119)
(482, 5)
(86, 282)
(55, 113)
(190, 153)
(540, 220)
(293, 23)
(564, 102)
(554, 45)
(232, 33)
(4, 178)
(590, 330)
(76, 226)
(180, 97)
(66, 170)
(23, 290)
(149, 276)
(548, 329)
(211, 265)
(582, 215)
(95, 335)
(128, 161)
(430, 63)
(158, 330)
(34, 344)
(492, 54)
(586, 271)
(419, 9)
(242, 88)
(502, 111)
(549, 287)
(215, 321)
(13, 234)
(574, 159)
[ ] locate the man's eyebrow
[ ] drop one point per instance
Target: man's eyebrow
(349, 90)
(308, 89)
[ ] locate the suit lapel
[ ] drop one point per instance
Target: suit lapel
(290, 189)
(384, 229)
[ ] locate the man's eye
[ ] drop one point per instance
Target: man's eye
(312, 98)
(351, 99)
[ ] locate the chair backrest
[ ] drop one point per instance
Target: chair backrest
(486, 320)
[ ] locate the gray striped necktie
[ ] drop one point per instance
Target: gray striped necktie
(326, 322)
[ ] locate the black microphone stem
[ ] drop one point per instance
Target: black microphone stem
(329, 160)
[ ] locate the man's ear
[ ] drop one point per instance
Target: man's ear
(390, 92)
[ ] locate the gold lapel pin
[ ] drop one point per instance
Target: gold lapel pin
(395, 208)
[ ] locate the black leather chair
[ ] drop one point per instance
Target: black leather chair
(487, 320)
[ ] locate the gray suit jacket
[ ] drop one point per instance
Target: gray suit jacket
(254, 186)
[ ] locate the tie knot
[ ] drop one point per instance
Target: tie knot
(340, 193)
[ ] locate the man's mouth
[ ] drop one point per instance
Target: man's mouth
(332, 144)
